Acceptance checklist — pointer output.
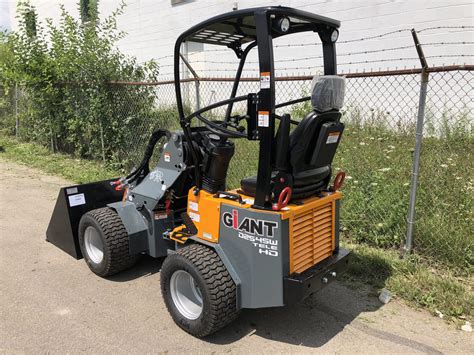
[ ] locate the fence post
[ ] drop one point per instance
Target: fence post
(196, 81)
(198, 94)
(52, 139)
(17, 119)
(102, 143)
(419, 137)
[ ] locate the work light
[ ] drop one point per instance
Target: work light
(334, 35)
(283, 24)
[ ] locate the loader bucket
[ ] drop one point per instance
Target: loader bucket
(72, 203)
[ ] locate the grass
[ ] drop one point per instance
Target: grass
(35, 156)
(376, 152)
(410, 279)
(378, 164)
(413, 281)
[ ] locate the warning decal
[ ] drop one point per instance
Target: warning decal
(71, 190)
(332, 138)
(263, 118)
(195, 217)
(77, 200)
(193, 206)
(265, 80)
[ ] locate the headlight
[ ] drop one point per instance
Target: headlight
(284, 24)
(334, 35)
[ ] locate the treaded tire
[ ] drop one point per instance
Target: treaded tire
(114, 238)
(219, 293)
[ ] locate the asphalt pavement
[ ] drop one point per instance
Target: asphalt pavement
(50, 302)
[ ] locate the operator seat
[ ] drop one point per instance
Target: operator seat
(307, 153)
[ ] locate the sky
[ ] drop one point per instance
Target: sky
(5, 14)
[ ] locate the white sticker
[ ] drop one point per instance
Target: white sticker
(332, 138)
(194, 206)
(249, 201)
(207, 235)
(163, 187)
(167, 157)
(194, 217)
(71, 190)
(160, 215)
(77, 200)
(263, 118)
(265, 80)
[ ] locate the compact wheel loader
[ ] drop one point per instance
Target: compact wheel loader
(269, 243)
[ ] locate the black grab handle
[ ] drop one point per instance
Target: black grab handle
(230, 196)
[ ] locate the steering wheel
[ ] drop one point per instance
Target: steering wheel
(221, 128)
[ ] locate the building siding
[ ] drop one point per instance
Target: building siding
(152, 27)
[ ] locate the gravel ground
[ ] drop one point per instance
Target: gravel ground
(50, 302)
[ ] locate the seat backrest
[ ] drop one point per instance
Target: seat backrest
(314, 141)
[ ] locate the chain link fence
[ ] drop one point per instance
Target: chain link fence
(376, 151)
(444, 207)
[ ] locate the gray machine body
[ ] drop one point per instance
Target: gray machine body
(256, 245)
(144, 228)
(253, 244)
(256, 260)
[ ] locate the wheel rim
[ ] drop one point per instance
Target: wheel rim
(186, 295)
(94, 245)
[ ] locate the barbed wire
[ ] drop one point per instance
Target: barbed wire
(449, 56)
(354, 53)
(346, 54)
(311, 57)
(340, 55)
(406, 58)
(375, 36)
(442, 28)
(226, 50)
(313, 67)
(317, 43)
(446, 43)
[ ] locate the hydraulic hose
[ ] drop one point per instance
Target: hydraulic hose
(144, 168)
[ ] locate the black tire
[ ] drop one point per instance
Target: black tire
(114, 239)
(218, 290)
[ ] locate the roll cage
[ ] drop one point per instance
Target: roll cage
(241, 31)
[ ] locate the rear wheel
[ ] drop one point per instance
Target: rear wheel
(198, 290)
(104, 242)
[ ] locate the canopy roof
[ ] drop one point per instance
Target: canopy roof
(238, 27)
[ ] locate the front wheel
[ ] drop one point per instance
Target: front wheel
(198, 290)
(104, 242)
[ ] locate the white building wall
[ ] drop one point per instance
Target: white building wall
(153, 26)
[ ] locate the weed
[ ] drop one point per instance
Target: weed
(78, 170)
(411, 280)
(378, 164)
(408, 278)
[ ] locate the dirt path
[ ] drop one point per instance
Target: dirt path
(51, 302)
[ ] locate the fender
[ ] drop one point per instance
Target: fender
(135, 223)
(230, 268)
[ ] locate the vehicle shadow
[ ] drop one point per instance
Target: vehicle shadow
(313, 322)
(316, 320)
(144, 267)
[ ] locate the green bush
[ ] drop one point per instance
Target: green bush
(65, 71)
(7, 114)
